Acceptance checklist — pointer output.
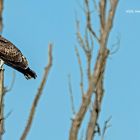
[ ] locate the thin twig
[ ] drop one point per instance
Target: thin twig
(79, 4)
(11, 85)
(81, 71)
(106, 126)
(7, 115)
(115, 47)
(96, 81)
(1, 80)
(71, 95)
(1, 102)
(95, 6)
(87, 40)
(38, 95)
(88, 20)
(79, 37)
(91, 42)
(1, 11)
(98, 129)
(100, 66)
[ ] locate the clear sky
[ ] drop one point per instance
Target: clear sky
(31, 25)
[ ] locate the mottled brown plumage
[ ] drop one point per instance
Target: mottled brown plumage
(13, 57)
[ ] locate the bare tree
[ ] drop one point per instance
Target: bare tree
(95, 74)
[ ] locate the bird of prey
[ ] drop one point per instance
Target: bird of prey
(12, 56)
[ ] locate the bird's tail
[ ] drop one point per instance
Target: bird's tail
(29, 73)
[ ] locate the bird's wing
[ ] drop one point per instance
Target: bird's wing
(11, 55)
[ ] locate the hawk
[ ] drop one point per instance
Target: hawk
(12, 56)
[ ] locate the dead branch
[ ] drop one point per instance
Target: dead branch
(110, 17)
(71, 95)
(102, 14)
(96, 76)
(38, 95)
(94, 114)
(1, 102)
(87, 98)
(106, 126)
(8, 89)
(79, 37)
(81, 70)
(87, 48)
(99, 94)
(1, 11)
(98, 130)
(1, 81)
(88, 20)
(7, 115)
(3, 91)
(115, 47)
(98, 97)
(89, 53)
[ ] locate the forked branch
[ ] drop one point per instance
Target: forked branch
(95, 82)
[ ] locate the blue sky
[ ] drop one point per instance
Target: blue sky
(31, 25)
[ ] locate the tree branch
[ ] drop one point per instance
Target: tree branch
(1, 11)
(71, 95)
(95, 83)
(38, 95)
(88, 20)
(97, 103)
(106, 126)
(1, 102)
(99, 68)
(103, 53)
(81, 71)
(8, 89)
(1, 82)
(102, 14)
(111, 14)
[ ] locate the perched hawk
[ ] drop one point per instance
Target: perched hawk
(12, 56)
